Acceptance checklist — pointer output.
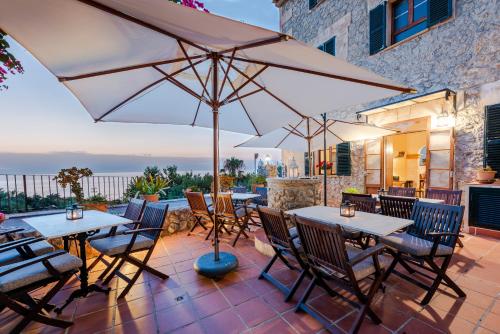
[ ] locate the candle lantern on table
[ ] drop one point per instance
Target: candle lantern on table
(347, 209)
(74, 212)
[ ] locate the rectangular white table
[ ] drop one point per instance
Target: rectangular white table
(370, 223)
(57, 226)
(239, 197)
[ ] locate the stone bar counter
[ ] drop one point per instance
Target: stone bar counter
(293, 193)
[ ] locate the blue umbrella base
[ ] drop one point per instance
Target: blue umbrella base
(206, 265)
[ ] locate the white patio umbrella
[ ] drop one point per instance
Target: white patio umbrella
(152, 61)
(309, 135)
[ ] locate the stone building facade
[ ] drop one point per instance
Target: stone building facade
(461, 54)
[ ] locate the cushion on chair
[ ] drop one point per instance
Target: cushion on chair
(413, 245)
(118, 244)
(36, 272)
(365, 268)
(105, 232)
(242, 212)
(39, 248)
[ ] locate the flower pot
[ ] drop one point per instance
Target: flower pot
(485, 175)
(2, 217)
(96, 206)
(151, 198)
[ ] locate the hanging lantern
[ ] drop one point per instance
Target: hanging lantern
(347, 209)
(74, 212)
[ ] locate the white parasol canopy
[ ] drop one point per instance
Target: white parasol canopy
(297, 137)
(153, 61)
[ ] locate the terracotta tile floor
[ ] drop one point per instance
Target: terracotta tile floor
(240, 303)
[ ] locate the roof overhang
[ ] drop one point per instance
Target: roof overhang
(443, 93)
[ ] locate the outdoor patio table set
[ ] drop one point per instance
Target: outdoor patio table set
(318, 247)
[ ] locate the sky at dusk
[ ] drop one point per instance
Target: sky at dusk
(40, 118)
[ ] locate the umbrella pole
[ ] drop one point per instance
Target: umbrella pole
(216, 264)
(324, 163)
(309, 157)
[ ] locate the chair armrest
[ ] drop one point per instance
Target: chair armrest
(437, 236)
(375, 250)
(19, 243)
(12, 230)
(148, 229)
(28, 263)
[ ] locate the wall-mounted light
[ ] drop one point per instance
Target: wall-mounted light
(446, 119)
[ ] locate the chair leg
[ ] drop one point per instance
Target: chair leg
(440, 275)
(296, 285)
(112, 274)
(460, 243)
(108, 268)
(96, 261)
(268, 266)
(301, 305)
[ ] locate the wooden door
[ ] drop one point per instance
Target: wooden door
(374, 165)
(440, 158)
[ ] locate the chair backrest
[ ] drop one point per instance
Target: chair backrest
(262, 191)
(255, 186)
(224, 207)
(349, 196)
(401, 191)
(239, 190)
(275, 226)
(431, 217)
(323, 246)
(134, 210)
(198, 205)
(450, 197)
(396, 206)
(154, 216)
(364, 204)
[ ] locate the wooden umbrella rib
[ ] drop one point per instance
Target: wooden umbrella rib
(250, 79)
(226, 73)
(199, 102)
(268, 92)
(129, 99)
(127, 17)
(328, 129)
(241, 97)
(180, 85)
(328, 75)
(272, 40)
(245, 109)
(284, 138)
(126, 68)
(193, 67)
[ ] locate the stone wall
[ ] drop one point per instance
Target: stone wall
(462, 54)
(292, 193)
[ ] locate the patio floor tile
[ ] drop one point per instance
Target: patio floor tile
(188, 303)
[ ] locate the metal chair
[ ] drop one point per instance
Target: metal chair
(433, 236)
(285, 246)
(401, 191)
(121, 247)
(17, 280)
(201, 212)
(330, 259)
(134, 211)
(396, 206)
(230, 216)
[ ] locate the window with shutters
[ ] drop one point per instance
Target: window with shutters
(492, 137)
(313, 3)
(344, 159)
(406, 18)
(328, 46)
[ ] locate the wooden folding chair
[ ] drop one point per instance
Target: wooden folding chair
(432, 237)
(201, 212)
(450, 197)
(134, 211)
(401, 191)
(330, 259)
(230, 216)
(285, 247)
(122, 247)
(397, 206)
(19, 279)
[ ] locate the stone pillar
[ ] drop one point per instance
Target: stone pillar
(292, 193)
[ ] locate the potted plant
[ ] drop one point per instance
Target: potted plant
(485, 175)
(150, 187)
(352, 190)
(96, 202)
(71, 177)
(2, 217)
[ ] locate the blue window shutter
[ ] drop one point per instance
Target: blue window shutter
(377, 28)
(312, 3)
(344, 159)
(329, 47)
(438, 10)
(492, 137)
